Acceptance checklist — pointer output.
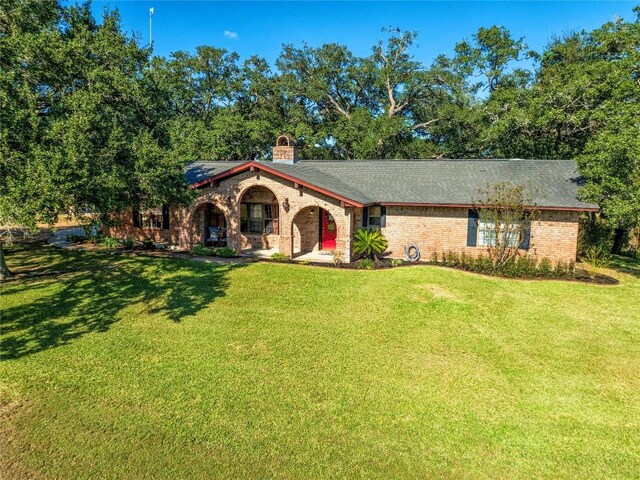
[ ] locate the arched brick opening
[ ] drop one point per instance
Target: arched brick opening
(260, 218)
(305, 231)
(314, 229)
(208, 225)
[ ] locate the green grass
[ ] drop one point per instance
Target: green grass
(156, 368)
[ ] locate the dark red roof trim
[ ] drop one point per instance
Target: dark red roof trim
(468, 205)
(252, 165)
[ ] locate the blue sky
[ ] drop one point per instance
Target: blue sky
(260, 28)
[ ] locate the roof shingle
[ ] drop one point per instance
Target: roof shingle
(550, 183)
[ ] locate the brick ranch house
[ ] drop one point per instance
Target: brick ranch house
(296, 207)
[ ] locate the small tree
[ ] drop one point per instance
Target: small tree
(507, 212)
(369, 243)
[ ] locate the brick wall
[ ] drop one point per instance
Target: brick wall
(433, 229)
(184, 232)
(438, 229)
(306, 231)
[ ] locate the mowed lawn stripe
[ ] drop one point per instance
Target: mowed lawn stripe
(157, 368)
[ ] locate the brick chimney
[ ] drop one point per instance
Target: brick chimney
(285, 150)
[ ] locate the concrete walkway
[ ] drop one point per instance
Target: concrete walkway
(59, 237)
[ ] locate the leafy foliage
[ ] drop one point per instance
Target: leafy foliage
(223, 252)
(280, 257)
(598, 256)
(365, 264)
(516, 267)
(369, 243)
(91, 124)
(509, 209)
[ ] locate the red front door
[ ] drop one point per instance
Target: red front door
(328, 232)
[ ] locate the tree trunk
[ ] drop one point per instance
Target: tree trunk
(4, 269)
(618, 241)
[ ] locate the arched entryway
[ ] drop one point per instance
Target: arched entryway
(209, 226)
(313, 230)
(259, 219)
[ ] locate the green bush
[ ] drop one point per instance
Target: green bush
(594, 232)
(110, 242)
(225, 252)
(95, 239)
(545, 268)
(148, 244)
(598, 256)
(519, 267)
(279, 257)
(365, 264)
(128, 243)
(203, 251)
(369, 243)
(396, 262)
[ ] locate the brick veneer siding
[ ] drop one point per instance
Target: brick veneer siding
(439, 229)
(433, 229)
(184, 232)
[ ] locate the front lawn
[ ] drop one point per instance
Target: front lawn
(156, 368)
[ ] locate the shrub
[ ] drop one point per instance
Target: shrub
(522, 266)
(369, 243)
(203, 251)
(365, 264)
(509, 211)
(396, 262)
(451, 259)
(594, 232)
(94, 239)
(545, 268)
(598, 256)
(337, 258)
(279, 257)
(110, 242)
(225, 252)
(128, 243)
(75, 238)
(148, 244)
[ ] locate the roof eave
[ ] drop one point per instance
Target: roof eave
(469, 205)
(262, 167)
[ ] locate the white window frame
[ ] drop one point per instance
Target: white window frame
(487, 236)
(374, 221)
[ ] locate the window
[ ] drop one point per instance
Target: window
(487, 234)
(151, 218)
(259, 218)
(375, 217)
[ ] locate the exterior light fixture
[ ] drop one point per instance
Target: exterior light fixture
(286, 205)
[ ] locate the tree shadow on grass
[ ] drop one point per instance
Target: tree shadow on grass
(630, 266)
(90, 300)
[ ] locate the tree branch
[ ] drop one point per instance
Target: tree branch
(337, 106)
(424, 124)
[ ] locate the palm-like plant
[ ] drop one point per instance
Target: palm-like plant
(369, 243)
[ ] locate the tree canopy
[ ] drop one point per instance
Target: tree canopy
(91, 121)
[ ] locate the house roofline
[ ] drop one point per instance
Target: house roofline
(253, 165)
(469, 205)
